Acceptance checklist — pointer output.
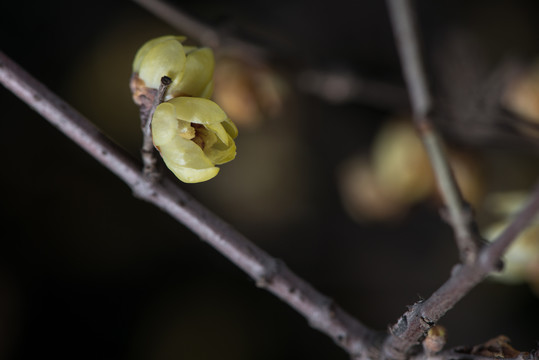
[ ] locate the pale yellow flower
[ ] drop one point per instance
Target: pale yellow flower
(190, 68)
(193, 135)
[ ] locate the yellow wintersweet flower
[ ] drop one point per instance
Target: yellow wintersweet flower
(190, 68)
(521, 260)
(193, 135)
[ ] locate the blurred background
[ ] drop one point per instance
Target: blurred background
(329, 177)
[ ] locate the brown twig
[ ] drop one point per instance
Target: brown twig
(459, 215)
(330, 85)
(344, 86)
(148, 152)
(423, 315)
(269, 273)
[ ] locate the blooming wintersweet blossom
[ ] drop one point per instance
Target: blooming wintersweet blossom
(191, 132)
(193, 135)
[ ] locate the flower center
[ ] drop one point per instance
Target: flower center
(200, 134)
(196, 133)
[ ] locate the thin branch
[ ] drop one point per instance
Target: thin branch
(183, 22)
(149, 156)
(198, 31)
(404, 29)
(490, 255)
(333, 86)
(269, 273)
(423, 315)
(460, 217)
(338, 86)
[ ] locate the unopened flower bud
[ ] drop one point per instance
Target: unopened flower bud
(435, 340)
(190, 68)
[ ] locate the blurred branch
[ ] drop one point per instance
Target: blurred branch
(473, 108)
(198, 31)
(492, 252)
(343, 86)
(333, 86)
(423, 315)
(459, 215)
(269, 273)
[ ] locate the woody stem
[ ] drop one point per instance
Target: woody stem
(149, 158)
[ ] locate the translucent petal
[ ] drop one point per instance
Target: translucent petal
(188, 175)
(220, 131)
(197, 75)
(164, 124)
(198, 110)
(141, 53)
(230, 128)
(189, 48)
(208, 91)
(165, 58)
(183, 152)
(220, 153)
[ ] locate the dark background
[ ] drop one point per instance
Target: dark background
(87, 271)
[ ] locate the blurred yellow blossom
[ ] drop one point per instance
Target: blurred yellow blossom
(400, 163)
(249, 92)
(398, 175)
(521, 261)
(522, 94)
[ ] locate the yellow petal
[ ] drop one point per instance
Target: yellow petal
(208, 90)
(220, 153)
(141, 53)
(198, 74)
(164, 124)
(230, 128)
(220, 131)
(194, 175)
(198, 110)
(183, 152)
(165, 58)
(189, 48)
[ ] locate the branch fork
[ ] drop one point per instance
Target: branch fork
(273, 275)
(477, 258)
